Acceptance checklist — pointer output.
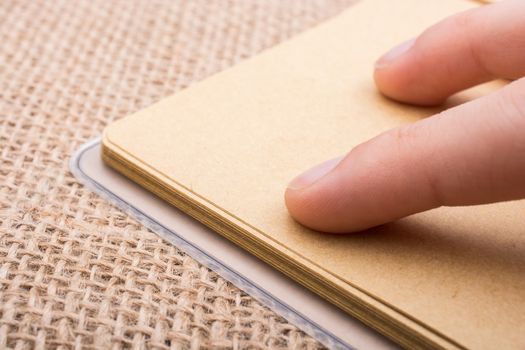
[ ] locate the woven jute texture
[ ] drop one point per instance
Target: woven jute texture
(75, 272)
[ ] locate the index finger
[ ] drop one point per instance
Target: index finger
(464, 50)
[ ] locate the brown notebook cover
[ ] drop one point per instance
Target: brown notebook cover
(224, 149)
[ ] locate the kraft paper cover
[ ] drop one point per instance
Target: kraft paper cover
(224, 150)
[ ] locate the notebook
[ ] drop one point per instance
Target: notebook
(224, 150)
(331, 326)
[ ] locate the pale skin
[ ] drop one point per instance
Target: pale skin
(470, 154)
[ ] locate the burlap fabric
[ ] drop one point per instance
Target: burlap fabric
(76, 272)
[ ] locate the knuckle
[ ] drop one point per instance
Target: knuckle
(415, 148)
(463, 20)
(512, 105)
(468, 24)
(405, 138)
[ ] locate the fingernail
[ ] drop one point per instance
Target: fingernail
(392, 55)
(311, 176)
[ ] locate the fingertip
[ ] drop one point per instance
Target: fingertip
(401, 77)
(297, 205)
(308, 198)
(393, 55)
(304, 205)
(321, 203)
(306, 209)
(393, 76)
(400, 90)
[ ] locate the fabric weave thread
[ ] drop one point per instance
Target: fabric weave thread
(76, 272)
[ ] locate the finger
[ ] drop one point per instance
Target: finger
(471, 154)
(464, 50)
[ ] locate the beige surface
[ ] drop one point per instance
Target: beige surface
(227, 147)
(74, 271)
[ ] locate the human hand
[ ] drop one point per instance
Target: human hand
(470, 154)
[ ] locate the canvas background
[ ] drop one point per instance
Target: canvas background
(76, 272)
